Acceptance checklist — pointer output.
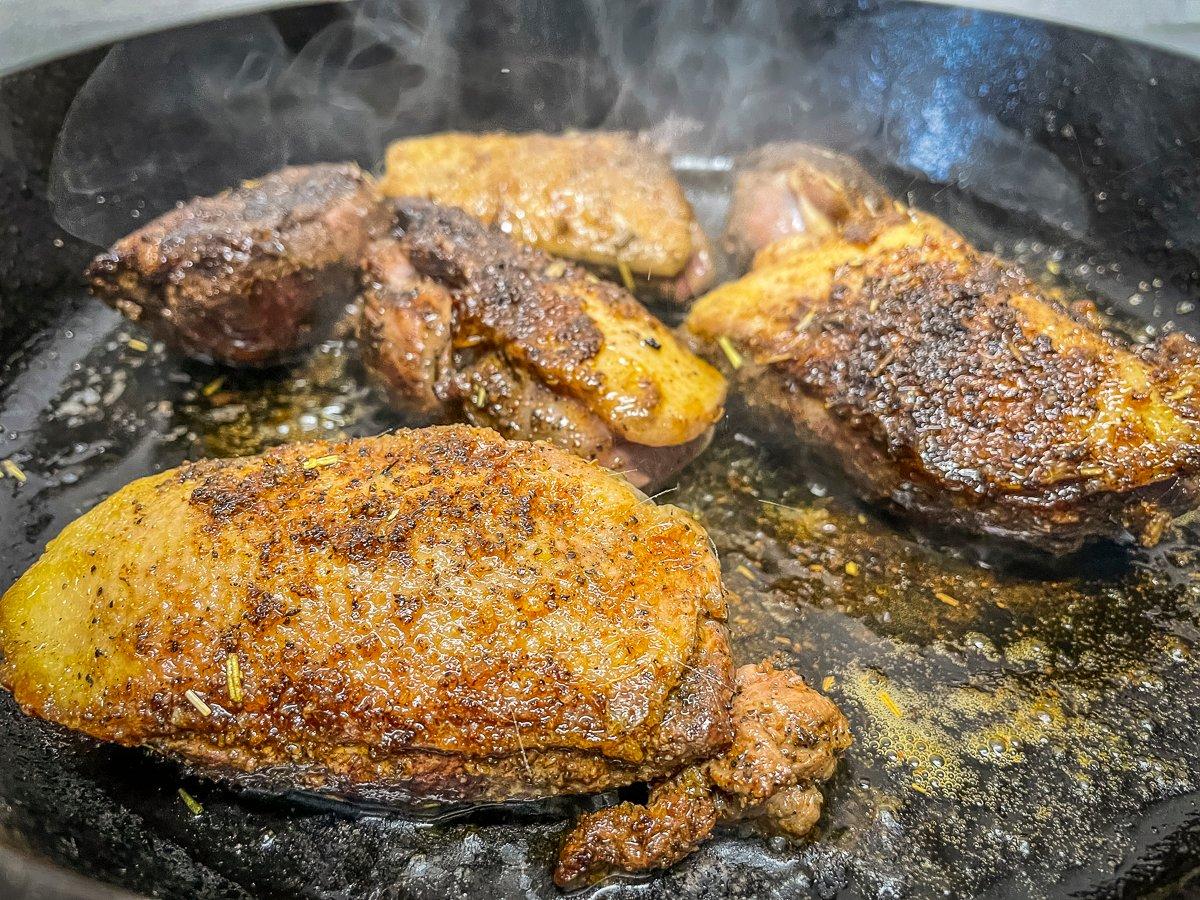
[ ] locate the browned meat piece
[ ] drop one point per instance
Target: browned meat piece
(787, 740)
(782, 190)
(946, 382)
(251, 274)
(631, 837)
(433, 614)
(787, 736)
(437, 612)
(512, 400)
(603, 198)
(404, 331)
(460, 322)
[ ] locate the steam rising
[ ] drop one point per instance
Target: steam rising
(192, 111)
(170, 116)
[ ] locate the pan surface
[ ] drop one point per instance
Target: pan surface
(1023, 728)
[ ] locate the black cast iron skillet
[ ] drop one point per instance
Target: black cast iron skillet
(1036, 737)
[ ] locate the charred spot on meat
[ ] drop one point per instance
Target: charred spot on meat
(250, 275)
(947, 383)
(461, 323)
(605, 199)
(433, 614)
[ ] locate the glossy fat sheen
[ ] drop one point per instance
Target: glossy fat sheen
(437, 611)
(946, 381)
(602, 198)
(585, 338)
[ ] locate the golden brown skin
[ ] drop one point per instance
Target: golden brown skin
(787, 741)
(434, 613)
(603, 198)
(946, 382)
(461, 322)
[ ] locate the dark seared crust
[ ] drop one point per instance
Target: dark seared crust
(414, 778)
(435, 613)
(604, 199)
(407, 330)
(787, 741)
(460, 322)
(1056, 521)
(507, 293)
(251, 274)
(493, 393)
(945, 381)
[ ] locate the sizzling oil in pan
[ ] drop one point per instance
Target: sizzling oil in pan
(1021, 727)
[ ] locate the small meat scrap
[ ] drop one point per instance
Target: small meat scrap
(787, 740)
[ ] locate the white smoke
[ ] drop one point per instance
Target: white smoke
(191, 111)
(169, 116)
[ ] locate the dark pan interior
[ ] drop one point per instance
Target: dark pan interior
(1037, 736)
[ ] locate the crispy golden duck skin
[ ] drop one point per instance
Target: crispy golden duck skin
(948, 383)
(438, 614)
(603, 198)
(459, 321)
